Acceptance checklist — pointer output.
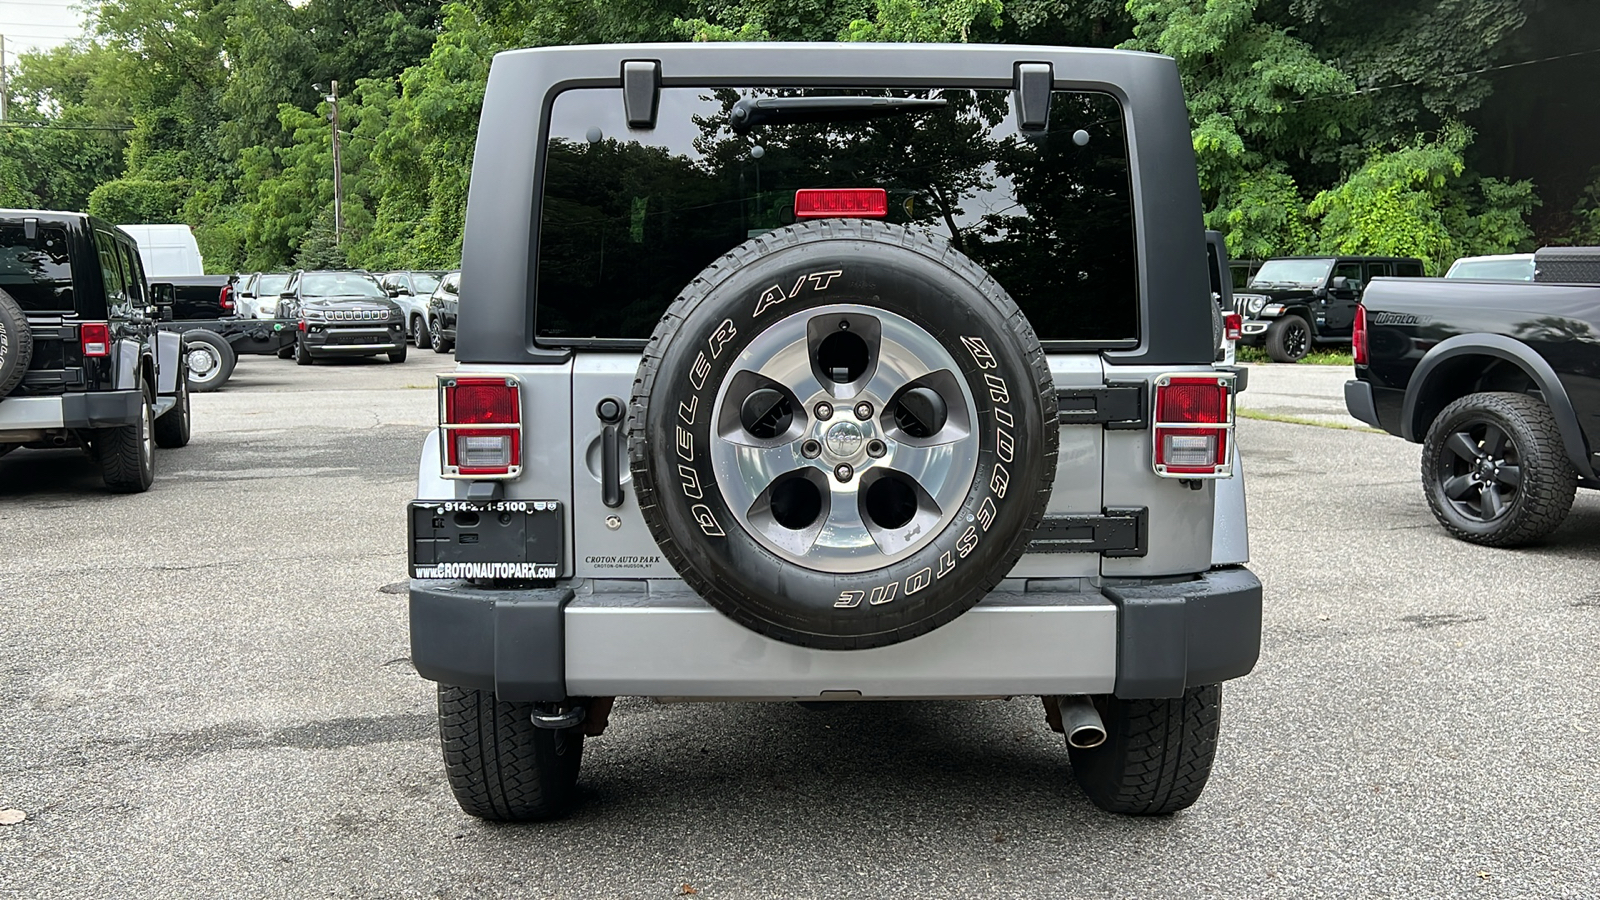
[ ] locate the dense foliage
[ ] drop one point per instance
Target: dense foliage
(1310, 135)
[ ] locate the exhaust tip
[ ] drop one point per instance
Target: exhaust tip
(1086, 737)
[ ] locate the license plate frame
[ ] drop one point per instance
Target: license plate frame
(460, 539)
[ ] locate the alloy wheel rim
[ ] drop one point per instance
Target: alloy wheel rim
(1480, 471)
(1296, 340)
(844, 439)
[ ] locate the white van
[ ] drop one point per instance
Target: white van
(167, 250)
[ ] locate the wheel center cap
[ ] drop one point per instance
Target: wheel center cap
(843, 439)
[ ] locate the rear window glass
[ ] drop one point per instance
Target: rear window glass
(36, 273)
(629, 217)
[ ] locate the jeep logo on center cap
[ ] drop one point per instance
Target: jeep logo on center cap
(844, 439)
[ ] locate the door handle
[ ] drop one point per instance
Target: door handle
(610, 413)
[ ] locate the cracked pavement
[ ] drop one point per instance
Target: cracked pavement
(205, 691)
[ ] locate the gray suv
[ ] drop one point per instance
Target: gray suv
(832, 373)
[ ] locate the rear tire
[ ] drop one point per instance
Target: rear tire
(424, 337)
(1511, 486)
(173, 428)
(441, 344)
(1157, 755)
(1289, 339)
(499, 765)
(127, 452)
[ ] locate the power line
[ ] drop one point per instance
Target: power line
(1398, 84)
(43, 126)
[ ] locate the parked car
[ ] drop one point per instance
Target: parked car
(1295, 304)
(269, 291)
(341, 314)
(1496, 381)
(82, 363)
(257, 294)
(411, 290)
(443, 306)
(712, 443)
(1505, 267)
(1228, 324)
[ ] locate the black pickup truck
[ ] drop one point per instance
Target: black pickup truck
(205, 311)
(1500, 383)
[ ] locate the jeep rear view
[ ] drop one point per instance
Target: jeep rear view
(832, 373)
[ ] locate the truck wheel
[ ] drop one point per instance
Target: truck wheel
(286, 351)
(419, 330)
(1495, 470)
(16, 344)
(1157, 753)
(842, 434)
(441, 344)
(1289, 339)
(398, 356)
(127, 453)
(302, 355)
(499, 765)
(172, 428)
(209, 358)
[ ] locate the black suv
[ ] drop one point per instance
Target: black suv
(1294, 303)
(82, 363)
(442, 308)
(343, 314)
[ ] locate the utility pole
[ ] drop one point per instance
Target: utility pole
(5, 87)
(338, 170)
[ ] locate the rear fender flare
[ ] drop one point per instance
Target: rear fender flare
(169, 344)
(1516, 353)
(130, 359)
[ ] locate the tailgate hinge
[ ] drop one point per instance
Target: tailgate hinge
(1120, 531)
(1116, 406)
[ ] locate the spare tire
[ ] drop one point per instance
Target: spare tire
(842, 434)
(16, 344)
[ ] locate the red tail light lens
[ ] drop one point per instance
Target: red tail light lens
(480, 425)
(1194, 427)
(1358, 337)
(95, 338)
(1233, 327)
(824, 203)
(225, 299)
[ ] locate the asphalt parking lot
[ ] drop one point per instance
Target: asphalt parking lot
(206, 692)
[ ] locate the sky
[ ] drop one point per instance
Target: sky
(38, 24)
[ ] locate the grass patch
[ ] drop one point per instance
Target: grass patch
(1340, 357)
(1301, 420)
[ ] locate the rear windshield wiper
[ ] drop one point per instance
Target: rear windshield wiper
(748, 113)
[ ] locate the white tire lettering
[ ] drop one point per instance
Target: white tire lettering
(998, 392)
(980, 352)
(706, 520)
(986, 513)
(1005, 446)
(699, 371)
(1000, 481)
(769, 297)
(967, 542)
(720, 338)
(884, 594)
(691, 482)
(686, 411)
(947, 563)
(849, 599)
(919, 581)
(685, 444)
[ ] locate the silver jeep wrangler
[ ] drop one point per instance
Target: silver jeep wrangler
(832, 373)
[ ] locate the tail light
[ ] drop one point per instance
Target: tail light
(834, 203)
(95, 338)
(480, 426)
(1194, 426)
(1233, 326)
(225, 299)
(1358, 337)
